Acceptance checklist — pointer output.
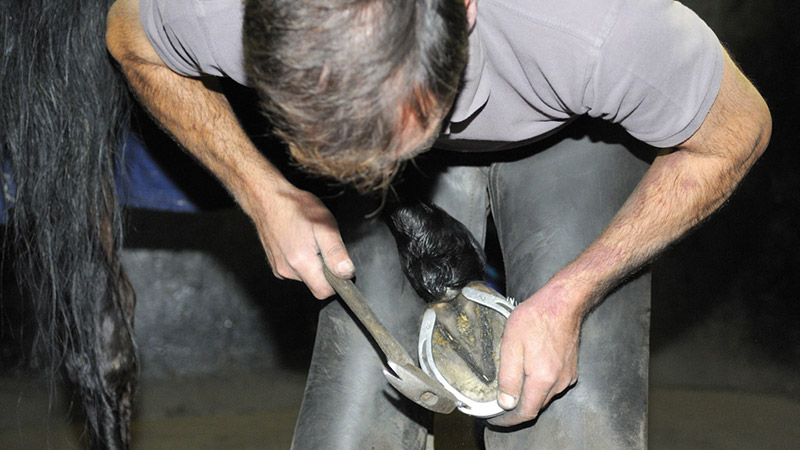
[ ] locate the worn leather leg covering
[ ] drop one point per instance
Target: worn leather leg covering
(548, 207)
(463, 193)
(348, 404)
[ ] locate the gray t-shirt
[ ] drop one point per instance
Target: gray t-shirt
(197, 37)
(652, 66)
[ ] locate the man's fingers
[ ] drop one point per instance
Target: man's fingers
(510, 374)
(536, 396)
(310, 273)
(337, 259)
(334, 253)
(319, 288)
(305, 267)
(526, 410)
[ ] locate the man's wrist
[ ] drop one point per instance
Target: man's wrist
(257, 189)
(576, 289)
(562, 298)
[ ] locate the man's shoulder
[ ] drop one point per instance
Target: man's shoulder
(589, 21)
(197, 37)
(582, 19)
(651, 65)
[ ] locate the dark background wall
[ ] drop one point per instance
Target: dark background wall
(740, 270)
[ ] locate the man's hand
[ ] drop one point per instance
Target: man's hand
(296, 229)
(538, 355)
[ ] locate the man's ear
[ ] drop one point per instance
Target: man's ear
(472, 12)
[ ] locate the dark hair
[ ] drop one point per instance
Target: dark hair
(62, 124)
(339, 78)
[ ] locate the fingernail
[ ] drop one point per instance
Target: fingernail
(345, 267)
(506, 401)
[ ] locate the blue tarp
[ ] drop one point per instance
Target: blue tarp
(141, 183)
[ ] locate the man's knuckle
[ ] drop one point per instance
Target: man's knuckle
(282, 270)
(281, 274)
(573, 379)
(334, 249)
(529, 412)
(508, 378)
(546, 374)
(301, 261)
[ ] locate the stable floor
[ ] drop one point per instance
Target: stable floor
(258, 411)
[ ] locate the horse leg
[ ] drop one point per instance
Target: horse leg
(104, 367)
(117, 363)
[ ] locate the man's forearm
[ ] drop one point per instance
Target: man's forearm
(679, 190)
(669, 201)
(191, 110)
(201, 119)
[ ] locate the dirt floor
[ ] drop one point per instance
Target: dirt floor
(258, 411)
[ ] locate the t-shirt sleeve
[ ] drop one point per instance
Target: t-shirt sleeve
(197, 37)
(657, 73)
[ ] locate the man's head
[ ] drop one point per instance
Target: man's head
(355, 85)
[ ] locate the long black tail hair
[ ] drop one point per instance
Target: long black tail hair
(63, 110)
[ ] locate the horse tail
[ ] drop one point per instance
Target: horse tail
(64, 110)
